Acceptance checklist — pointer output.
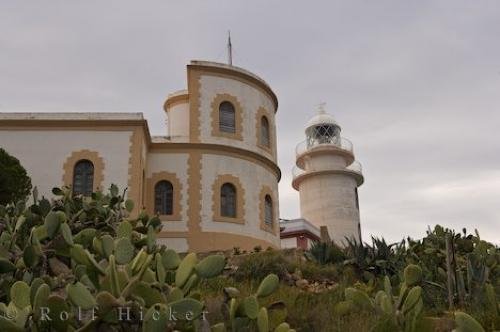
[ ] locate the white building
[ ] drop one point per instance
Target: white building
(298, 233)
(213, 180)
(327, 177)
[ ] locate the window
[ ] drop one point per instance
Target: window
(83, 178)
(228, 200)
(356, 197)
(227, 117)
(264, 132)
(268, 211)
(164, 198)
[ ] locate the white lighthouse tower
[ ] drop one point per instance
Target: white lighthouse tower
(327, 177)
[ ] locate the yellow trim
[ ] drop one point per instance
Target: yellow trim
(194, 104)
(271, 149)
(240, 199)
(228, 73)
(177, 194)
(238, 110)
(266, 190)
(69, 125)
(194, 195)
(76, 156)
(136, 166)
(219, 149)
(216, 241)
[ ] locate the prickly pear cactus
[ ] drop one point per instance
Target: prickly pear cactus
(82, 263)
(249, 311)
(394, 312)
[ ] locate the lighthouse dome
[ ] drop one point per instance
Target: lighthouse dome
(321, 118)
(322, 129)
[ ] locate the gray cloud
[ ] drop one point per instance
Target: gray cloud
(414, 85)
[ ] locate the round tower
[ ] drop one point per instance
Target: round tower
(327, 177)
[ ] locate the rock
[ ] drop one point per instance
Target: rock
(288, 278)
(297, 275)
(302, 283)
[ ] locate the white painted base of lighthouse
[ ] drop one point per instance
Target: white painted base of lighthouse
(330, 200)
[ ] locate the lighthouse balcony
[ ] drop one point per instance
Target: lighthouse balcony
(340, 143)
(354, 169)
(337, 146)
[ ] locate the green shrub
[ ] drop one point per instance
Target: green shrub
(15, 185)
(258, 265)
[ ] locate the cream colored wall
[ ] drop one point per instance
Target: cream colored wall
(252, 178)
(330, 200)
(176, 163)
(178, 122)
(44, 152)
(324, 162)
(250, 99)
(178, 244)
(288, 243)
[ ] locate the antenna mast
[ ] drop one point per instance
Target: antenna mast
(229, 49)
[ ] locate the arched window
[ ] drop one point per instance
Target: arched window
(268, 211)
(356, 197)
(164, 198)
(264, 132)
(83, 178)
(227, 117)
(228, 200)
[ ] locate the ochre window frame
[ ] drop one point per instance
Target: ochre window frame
(262, 112)
(265, 191)
(74, 158)
(238, 116)
(177, 195)
(240, 199)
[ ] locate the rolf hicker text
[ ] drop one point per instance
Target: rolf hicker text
(123, 314)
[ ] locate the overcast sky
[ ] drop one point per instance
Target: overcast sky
(415, 85)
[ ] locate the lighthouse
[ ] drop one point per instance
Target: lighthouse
(327, 177)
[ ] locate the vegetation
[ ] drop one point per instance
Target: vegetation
(59, 260)
(413, 285)
(79, 263)
(15, 184)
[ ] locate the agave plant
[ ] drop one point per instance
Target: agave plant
(325, 253)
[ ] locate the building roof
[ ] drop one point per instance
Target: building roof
(321, 118)
(236, 71)
(72, 116)
(230, 67)
(298, 226)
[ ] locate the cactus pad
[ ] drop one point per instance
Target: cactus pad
(20, 294)
(210, 266)
(268, 286)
